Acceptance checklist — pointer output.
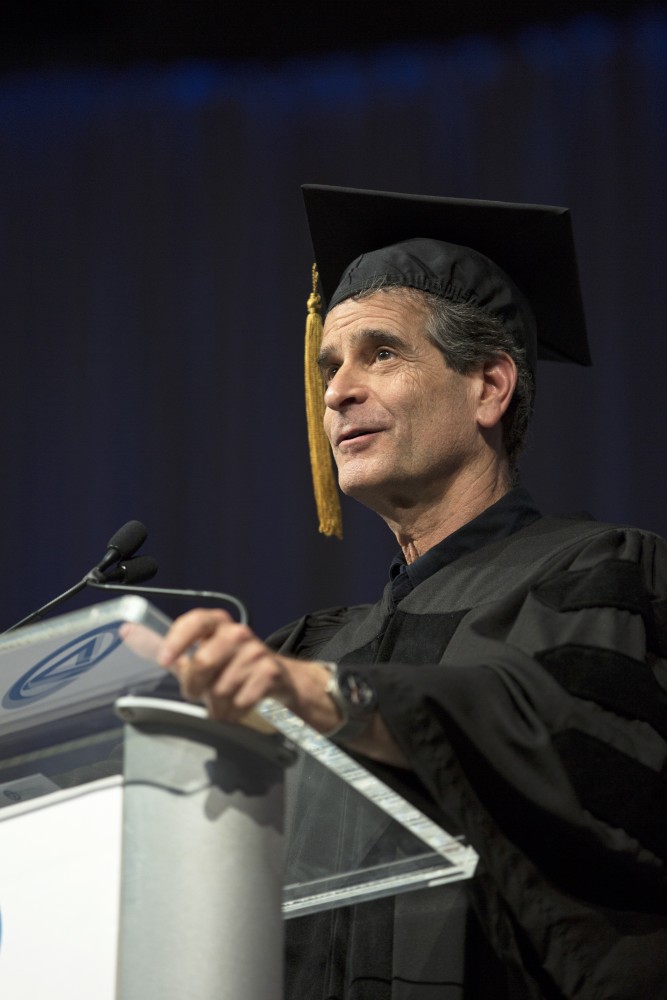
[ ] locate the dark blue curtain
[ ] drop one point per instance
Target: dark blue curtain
(154, 267)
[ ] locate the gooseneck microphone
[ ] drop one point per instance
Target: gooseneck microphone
(118, 572)
(121, 546)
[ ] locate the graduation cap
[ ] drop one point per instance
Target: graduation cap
(513, 261)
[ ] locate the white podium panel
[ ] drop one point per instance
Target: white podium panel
(59, 894)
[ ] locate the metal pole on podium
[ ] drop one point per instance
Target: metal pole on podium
(202, 857)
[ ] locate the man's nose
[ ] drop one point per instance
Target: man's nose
(346, 387)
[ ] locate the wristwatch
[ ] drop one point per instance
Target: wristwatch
(355, 698)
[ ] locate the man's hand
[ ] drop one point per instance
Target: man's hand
(224, 665)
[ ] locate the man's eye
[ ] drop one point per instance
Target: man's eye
(383, 353)
(329, 373)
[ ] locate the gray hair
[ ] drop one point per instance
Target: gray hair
(468, 337)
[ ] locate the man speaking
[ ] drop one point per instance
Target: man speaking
(512, 676)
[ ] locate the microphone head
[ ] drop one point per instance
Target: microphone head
(128, 539)
(132, 571)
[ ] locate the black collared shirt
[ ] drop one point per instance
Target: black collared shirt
(513, 511)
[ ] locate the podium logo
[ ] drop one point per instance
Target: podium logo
(63, 665)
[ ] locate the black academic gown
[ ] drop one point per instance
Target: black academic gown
(526, 684)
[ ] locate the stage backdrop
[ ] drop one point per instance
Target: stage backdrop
(154, 268)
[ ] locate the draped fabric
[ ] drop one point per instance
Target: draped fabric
(154, 268)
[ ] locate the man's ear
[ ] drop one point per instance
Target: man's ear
(497, 382)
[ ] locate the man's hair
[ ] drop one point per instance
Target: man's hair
(468, 337)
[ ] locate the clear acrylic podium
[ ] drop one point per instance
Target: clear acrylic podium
(148, 852)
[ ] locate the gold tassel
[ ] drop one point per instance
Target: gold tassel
(324, 481)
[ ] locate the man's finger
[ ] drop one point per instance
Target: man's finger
(188, 629)
(214, 656)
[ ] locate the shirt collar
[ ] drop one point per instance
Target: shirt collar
(513, 511)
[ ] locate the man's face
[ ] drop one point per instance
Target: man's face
(401, 423)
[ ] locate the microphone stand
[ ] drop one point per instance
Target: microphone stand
(40, 612)
(210, 595)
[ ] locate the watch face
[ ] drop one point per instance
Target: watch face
(357, 691)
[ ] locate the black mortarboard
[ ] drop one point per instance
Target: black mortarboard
(499, 255)
(516, 262)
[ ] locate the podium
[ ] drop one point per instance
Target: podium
(149, 852)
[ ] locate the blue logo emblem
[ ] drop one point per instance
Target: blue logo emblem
(64, 665)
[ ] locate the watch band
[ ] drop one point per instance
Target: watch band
(355, 699)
